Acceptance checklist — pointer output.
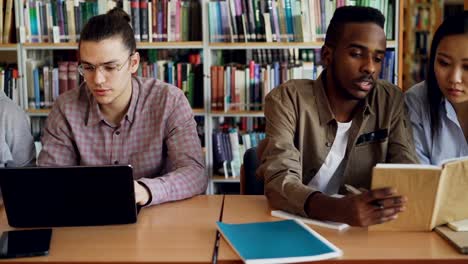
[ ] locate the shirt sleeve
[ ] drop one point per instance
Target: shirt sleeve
(58, 148)
(281, 165)
(401, 144)
(185, 164)
(415, 109)
(20, 140)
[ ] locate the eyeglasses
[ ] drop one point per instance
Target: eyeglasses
(87, 69)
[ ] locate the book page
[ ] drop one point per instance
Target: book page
(419, 186)
(453, 198)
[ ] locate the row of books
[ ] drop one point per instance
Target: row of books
(7, 19)
(165, 20)
(188, 76)
(244, 87)
(242, 123)
(282, 20)
(152, 20)
(421, 18)
(46, 83)
(9, 82)
(59, 20)
(229, 148)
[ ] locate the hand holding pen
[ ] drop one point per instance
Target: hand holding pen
(358, 209)
(383, 203)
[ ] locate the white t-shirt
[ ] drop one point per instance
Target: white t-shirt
(334, 158)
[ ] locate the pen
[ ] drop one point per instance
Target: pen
(354, 190)
(214, 259)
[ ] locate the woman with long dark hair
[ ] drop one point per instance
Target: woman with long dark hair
(438, 107)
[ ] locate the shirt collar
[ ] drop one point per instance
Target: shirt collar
(449, 111)
(324, 109)
(95, 115)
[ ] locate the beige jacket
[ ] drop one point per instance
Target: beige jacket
(300, 130)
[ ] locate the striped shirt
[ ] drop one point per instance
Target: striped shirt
(157, 136)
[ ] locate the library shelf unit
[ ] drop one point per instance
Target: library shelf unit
(209, 54)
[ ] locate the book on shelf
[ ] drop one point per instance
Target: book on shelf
(286, 241)
(229, 148)
(182, 70)
(10, 84)
(436, 194)
(7, 21)
(282, 20)
(47, 82)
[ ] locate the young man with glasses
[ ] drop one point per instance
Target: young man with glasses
(115, 118)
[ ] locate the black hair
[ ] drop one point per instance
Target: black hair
(115, 22)
(351, 14)
(453, 25)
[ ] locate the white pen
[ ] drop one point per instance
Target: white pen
(352, 189)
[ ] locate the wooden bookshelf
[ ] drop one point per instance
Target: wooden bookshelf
(9, 47)
(217, 113)
(170, 45)
(222, 179)
(38, 112)
(140, 45)
(209, 51)
(51, 46)
(274, 45)
(408, 58)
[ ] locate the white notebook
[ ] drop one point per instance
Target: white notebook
(326, 224)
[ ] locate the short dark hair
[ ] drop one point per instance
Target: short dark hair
(116, 22)
(351, 14)
(453, 25)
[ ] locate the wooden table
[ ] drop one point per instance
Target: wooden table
(358, 244)
(176, 232)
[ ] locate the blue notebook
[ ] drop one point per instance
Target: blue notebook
(277, 242)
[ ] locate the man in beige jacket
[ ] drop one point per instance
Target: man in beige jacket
(326, 133)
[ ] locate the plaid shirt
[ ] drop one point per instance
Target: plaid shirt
(157, 136)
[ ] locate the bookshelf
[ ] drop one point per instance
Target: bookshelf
(421, 19)
(210, 55)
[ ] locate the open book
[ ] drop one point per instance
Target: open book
(436, 194)
(284, 241)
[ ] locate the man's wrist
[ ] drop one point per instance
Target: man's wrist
(148, 192)
(322, 207)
